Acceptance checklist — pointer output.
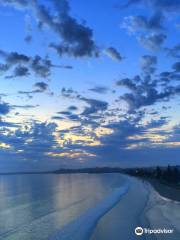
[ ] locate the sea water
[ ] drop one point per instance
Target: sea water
(36, 207)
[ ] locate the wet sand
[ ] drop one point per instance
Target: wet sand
(167, 191)
(143, 206)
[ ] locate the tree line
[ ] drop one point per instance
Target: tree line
(170, 174)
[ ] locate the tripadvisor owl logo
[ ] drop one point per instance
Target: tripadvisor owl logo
(139, 231)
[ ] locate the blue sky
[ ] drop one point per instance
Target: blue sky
(89, 84)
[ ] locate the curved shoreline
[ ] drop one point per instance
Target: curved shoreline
(164, 190)
(90, 218)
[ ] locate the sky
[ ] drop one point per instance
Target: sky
(87, 84)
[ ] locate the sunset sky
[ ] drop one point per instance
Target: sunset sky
(89, 83)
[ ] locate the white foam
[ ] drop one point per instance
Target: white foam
(82, 227)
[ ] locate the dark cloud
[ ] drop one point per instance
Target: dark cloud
(120, 139)
(8, 124)
(72, 108)
(41, 86)
(74, 117)
(35, 142)
(140, 23)
(24, 106)
(167, 77)
(14, 58)
(26, 93)
(41, 67)
(145, 92)
(165, 5)
(173, 52)
(94, 106)
(69, 93)
(174, 135)
(19, 71)
(127, 82)
(67, 115)
(176, 66)
(23, 65)
(57, 118)
(28, 39)
(4, 68)
(153, 41)
(148, 63)
(157, 123)
(99, 89)
(4, 108)
(77, 41)
(113, 53)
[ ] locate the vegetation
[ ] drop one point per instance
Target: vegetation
(169, 174)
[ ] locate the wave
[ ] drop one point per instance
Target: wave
(82, 227)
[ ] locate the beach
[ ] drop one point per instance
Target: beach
(168, 191)
(83, 207)
(147, 209)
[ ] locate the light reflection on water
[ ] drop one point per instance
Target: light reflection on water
(36, 206)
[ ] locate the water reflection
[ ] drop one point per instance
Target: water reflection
(36, 206)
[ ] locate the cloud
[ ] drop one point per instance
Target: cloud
(124, 129)
(173, 52)
(77, 41)
(16, 3)
(127, 82)
(34, 143)
(165, 5)
(113, 53)
(69, 93)
(19, 71)
(141, 23)
(157, 123)
(68, 114)
(174, 135)
(23, 65)
(14, 57)
(72, 108)
(176, 66)
(120, 138)
(4, 108)
(41, 67)
(24, 106)
(28, 38)
(94, 106)
(148, 63)
(152, 41)
(99, 89)
(41, 86)
(8, 124)
(4, 68)
(145, 92)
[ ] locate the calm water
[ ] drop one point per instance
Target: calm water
(37, 206)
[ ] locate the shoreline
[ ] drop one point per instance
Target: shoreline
(165, 190)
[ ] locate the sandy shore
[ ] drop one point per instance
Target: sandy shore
(145, 205)
(167, 191)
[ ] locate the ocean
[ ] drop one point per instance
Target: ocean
(78, 207)
(38, 206)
